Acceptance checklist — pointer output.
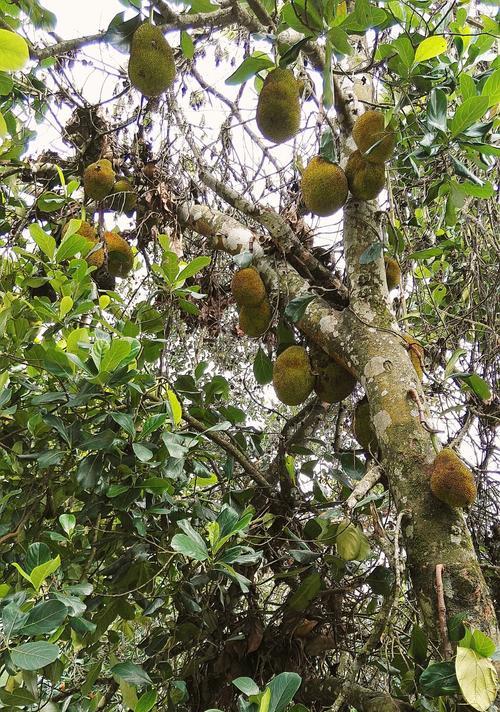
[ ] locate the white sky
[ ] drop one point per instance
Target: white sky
(84, 18)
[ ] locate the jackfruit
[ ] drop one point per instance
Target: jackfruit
(120, 257)
(451, 480)
(248, 288)
(363, 428)
(254, 321)
(369, 133)
(392, 272)
(293, 378)
(123, 197)
(96, 259)
(98, 179)
(324, 187)
(333, 382)
(416, 353)
(278, 107)
(365, 179)
(151, 67)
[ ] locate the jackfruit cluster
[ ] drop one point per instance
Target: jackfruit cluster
(120, 257)
(151, 67)
(451, 480)
(86, 230)
(416, 353)
(364, 431)
(248, 288)
(278, 106)
(333, 382)
(250, 295)
(365, 169)
(324, 187)
(365, 179)
(392, 272)
(375, 141)
(123, 197)
(98, 179)
(293, 379)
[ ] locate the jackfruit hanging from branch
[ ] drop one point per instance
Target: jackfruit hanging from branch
(151, 67)
(324, 187)
(278, 106)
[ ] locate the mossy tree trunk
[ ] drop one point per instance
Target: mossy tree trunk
(367, 337)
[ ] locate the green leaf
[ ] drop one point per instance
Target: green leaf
(477, 678)
(418, 645)
(439, 679)
(246, 685)
(14, 52)
(65, 306)
(3, 126)
(49, 202)
(491, 88)
(13, 619)
(45, 242)
(117, 352)
(34, 656)
(283, 687)
(44, 618)
(142, 453)
(296, 309)
(340, 40)
(436, 110)
(265, 700)
(467, 86)
(190, 543)
(71, 245)
(327, 77)
(175, 406)
(306, 592)
(477, 384)
(68, 523)
(20, 697)
(193, 267)
(40, 573)
(327, 148)
(125, 421)
(262, 368)
(429, 48)
(450, 366)
(132, 673)
(147, 701)
(249, 67)
(187, 46)
(468, 113)
(480, 642)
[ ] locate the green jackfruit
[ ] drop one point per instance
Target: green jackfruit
(365, 179)
(278, 107)
(255, 321)
(333, 382)
(151, 67)
(98, 179)
(248, 288)
(293, 378)
(375, 141)
(120, 257)
(324, 187)
(451, 480)
(416, 353)
(363, 428)
(123, 197)
(96, 258)
(392, 272)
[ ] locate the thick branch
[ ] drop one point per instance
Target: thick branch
(323, 690)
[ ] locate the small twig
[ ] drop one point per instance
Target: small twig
(370, 478)
(443, 628)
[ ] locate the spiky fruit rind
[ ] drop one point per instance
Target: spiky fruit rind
(248, 288)
(293, 379)
(98, 179)
(96, 259)
(123, 197)
(278, 106)
(333, 382)
(255, 321)
(363, 429)
(392, 272)
(151, 67)
(416, 353)
(369, 131)
(120, 257)
(324, 187)
(365, 179)
(451, 480)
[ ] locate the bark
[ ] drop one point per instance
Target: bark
(324, 690)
